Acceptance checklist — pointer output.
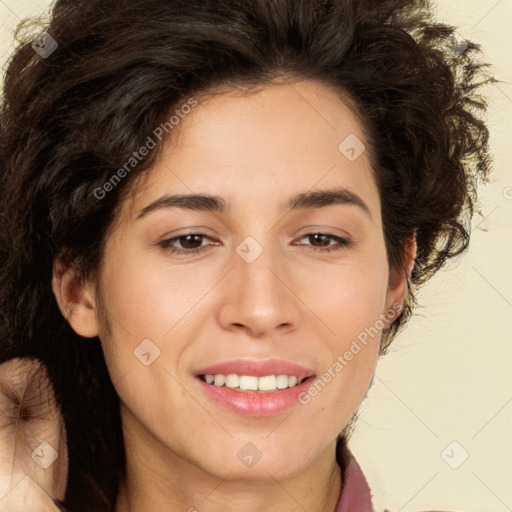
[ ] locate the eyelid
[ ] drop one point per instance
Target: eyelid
(309, 229)
(324, 229)
(341, 242)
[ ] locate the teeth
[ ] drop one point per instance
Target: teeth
(282, 381)
(249, 382)
(232, 380)
(219, 380)
(253, 383)
(267, 383)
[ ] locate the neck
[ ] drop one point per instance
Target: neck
(159, 479)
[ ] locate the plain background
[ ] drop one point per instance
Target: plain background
(447, 378)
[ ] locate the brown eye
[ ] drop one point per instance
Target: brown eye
(322, 242)
(190, 243)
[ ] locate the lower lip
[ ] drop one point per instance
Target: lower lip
(250, 403)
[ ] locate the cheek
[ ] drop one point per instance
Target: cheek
(142, 305)
(147, 299)
(339, 389)
(350, 307)
(350, 298)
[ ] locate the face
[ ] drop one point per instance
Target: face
(282, 279)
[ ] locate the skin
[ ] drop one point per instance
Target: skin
(30, 416)
(305, 306)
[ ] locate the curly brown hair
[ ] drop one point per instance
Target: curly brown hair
(69, 120)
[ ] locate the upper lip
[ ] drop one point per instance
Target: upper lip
(257, 368)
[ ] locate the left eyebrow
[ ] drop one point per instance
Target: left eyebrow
(321, 198)
(210, 203)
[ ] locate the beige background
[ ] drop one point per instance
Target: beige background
(448, 377)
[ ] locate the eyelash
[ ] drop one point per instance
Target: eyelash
(343, 243)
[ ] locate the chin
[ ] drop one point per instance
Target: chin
(258, 461)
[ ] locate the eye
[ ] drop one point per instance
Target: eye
(191, 243)
(324, 242)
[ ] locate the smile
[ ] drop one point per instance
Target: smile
(254, 388)
(252, 383)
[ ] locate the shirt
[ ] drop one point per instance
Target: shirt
(355, 493)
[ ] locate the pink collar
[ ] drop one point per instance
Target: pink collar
(355, 494)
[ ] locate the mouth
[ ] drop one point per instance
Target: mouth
(252, 383)
(255, 388)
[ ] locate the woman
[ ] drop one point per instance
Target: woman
(216, 217)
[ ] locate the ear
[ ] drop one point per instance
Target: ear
(399, 282)
(76, 300)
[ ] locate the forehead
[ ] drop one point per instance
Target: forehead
(282, 138)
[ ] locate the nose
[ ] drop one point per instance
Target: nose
(258, 296)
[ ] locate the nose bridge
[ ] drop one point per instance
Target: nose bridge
(259, 299)
(257, 266)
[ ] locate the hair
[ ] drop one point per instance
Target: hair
(69, 121)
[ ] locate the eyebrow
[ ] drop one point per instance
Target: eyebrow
(211, 203)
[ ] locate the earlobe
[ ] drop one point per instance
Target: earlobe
(76, 300)
(399, 284)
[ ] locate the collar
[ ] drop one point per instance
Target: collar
(355, 493)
